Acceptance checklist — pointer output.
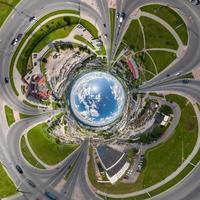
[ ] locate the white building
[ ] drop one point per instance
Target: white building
(113, 162)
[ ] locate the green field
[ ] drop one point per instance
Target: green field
(165, 158)
(133, 37)
(90, 27)
(23, 116)
(6, 7)
(162, 59)
(112, 24)
(83, 40)
(28, 155)
(7, 187)
(171, 17)
(30, 104)
(9, 115)
(54, 35)
(148, 68)
(46, 147)
(157, 36)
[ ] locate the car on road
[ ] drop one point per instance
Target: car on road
(51, 195)
(178, 73)
(121, 16)
(33, 19)
(185, 81)
(19, 169)
(195, 2)
(16, 40)
(31, 183)
(6, 80)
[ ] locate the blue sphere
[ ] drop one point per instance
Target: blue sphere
(97, 99)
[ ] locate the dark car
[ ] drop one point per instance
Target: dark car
(51, 195)
(185, 81)
(123, 15)
(14, 41)
(19, 169)
(195, 2)
(19, 36)
(31, 183)
(6, 80)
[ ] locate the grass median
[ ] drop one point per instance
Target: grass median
(9, 115)
(7, 187)
(28, 155)
(6, 6)
(171, 17)
(45, 146)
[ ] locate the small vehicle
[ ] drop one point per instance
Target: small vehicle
(14, 42)
(104, 25)
(33, 19)
(122, 17)
(19, 36)
(31, 183)
(51, 195)
(6, 80)
(178, 74)
(105, 35)
(185, 81)
(19, 169)
(195, 2)
(168, 75)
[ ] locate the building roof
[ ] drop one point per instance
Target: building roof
(159, 118)
(108, 155)
(114, 170)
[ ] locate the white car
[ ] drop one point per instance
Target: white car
(33, 19)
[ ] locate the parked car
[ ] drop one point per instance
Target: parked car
(19, 169)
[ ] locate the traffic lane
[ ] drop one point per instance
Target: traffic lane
(194, 93)
(184, 189)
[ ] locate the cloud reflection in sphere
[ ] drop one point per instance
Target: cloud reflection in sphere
(97, 99)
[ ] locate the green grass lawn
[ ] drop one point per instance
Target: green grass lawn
(28, 155)
(162, 59)
(90, 27)
(164, 159)
(146, 63)
(54, 35)
(9, 115)
(6, 7)
(23, 116)
(46, 147)
(112, 24)
(157, 36)
(171, 17)
(83, 40)
(7, 187)
(30, 104)
(133, 37)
